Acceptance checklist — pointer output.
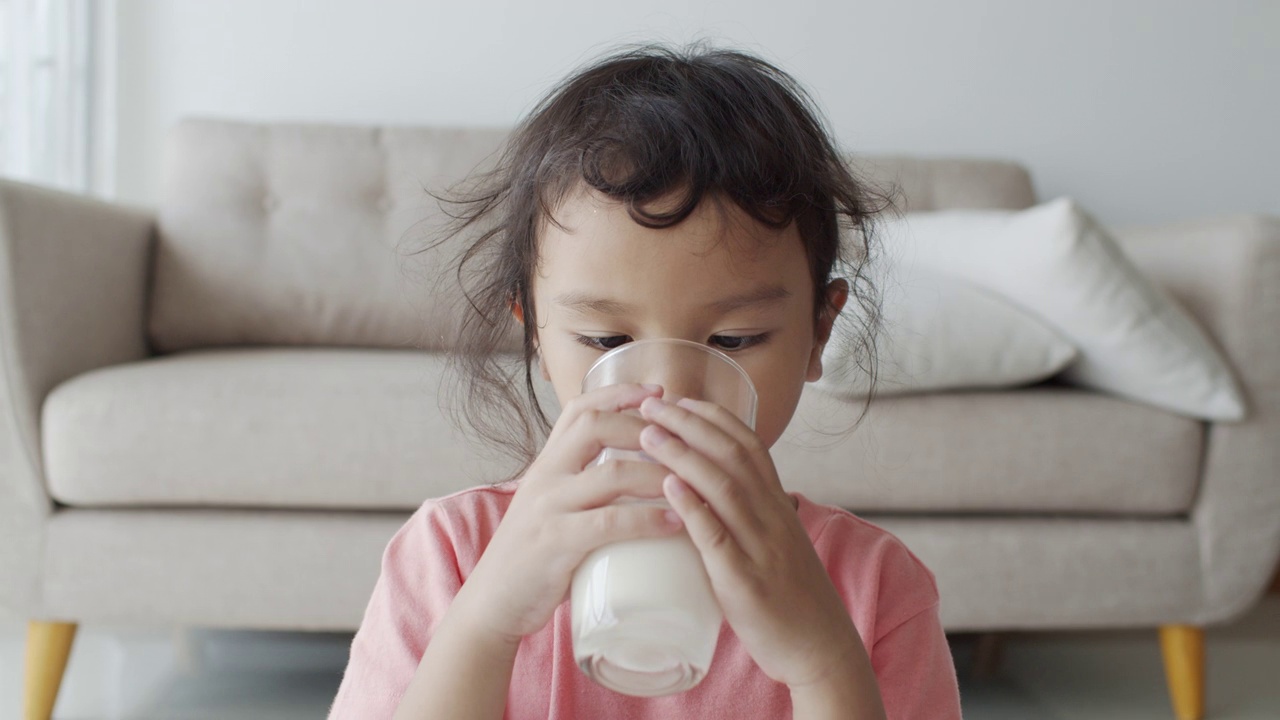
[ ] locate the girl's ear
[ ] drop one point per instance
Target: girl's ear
(518, 313)
(836, 296)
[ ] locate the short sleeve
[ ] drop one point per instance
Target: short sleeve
(893, 599)
(419, 578)
(915, 671)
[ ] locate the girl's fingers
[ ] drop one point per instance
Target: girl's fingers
(727, 485)
(610, 398)
(593, 528)
(714, 432)
(601, 484)
(591, 431)
(714, 541)
(732, 426)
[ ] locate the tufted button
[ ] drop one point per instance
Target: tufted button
(270, 202)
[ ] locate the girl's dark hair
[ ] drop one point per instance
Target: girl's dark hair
(645, 123)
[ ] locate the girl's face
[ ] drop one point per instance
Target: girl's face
(719, 277)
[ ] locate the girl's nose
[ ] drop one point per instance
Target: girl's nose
(681, 373)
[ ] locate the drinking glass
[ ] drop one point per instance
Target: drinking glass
(644, 618)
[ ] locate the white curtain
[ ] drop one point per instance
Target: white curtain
(52, 116)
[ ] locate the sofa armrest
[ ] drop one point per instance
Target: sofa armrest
(73, 285)
(1227, 272)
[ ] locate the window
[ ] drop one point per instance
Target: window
(48, 128)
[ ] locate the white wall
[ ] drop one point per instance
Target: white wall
(1144, 110)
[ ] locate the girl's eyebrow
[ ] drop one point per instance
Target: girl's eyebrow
(583, 303)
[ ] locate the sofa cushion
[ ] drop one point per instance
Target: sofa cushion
(1056, 261)
(1043, 449)
(363, 429)
(296, 234)
(303, 234)
(258, 427)
(940, 333)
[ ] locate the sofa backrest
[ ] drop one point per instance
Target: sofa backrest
(304, 234)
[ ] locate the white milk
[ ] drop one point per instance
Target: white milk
(645, 620)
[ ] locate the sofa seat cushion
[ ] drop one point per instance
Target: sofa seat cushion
(283, 427)
(259, 427)
(1049, 449)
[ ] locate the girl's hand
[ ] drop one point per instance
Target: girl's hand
(561, 512)
(773, 589)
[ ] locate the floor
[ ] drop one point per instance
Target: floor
(136, 674)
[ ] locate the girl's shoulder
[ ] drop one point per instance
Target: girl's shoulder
(480, 500)
(872, 568)
(476, 509)
(458, 525)
(824, 521)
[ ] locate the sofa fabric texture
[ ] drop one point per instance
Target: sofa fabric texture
(218, 413)
(363, 429)
(306, 234)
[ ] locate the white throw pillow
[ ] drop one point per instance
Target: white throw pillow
(940, 333)
(1056, 261)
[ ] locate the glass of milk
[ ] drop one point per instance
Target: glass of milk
(645, 621)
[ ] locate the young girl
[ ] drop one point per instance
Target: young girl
(657, 193)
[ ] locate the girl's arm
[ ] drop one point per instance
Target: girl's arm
(561, 511)
(774, 590)
(464, 673)
(850, 693)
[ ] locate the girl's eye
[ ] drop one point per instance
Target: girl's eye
(724, 342)
(600, 343)
(739, 342)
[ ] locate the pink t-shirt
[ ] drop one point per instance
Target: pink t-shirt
(891, 596)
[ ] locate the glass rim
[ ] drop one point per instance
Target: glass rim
(671, 341)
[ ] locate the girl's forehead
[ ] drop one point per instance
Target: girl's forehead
(596, 235)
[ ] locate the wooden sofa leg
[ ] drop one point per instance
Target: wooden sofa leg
(48, 647)
(1183, 650)
(987, 654)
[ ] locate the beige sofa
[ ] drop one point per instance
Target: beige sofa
(218, 413)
